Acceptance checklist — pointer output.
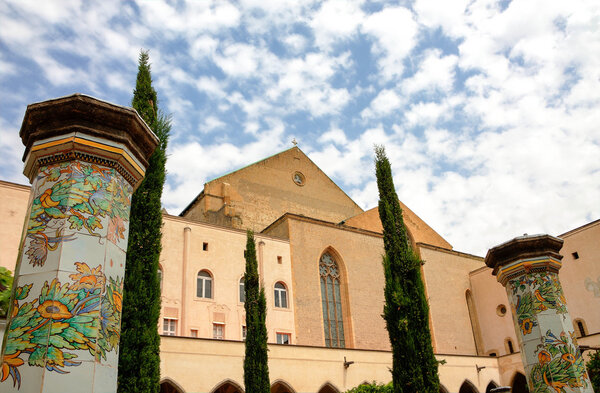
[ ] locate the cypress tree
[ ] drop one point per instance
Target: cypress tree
(256, 368)
(139, 362)
(406, 312)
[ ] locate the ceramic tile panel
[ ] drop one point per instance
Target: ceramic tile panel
(87, 249)
(78, 380)
(105, 379)
(114, 261)
(551, 360)
(89, 201)
(23, 379)
(39, 254)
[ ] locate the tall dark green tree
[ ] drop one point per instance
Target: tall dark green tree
(256, 368)
(406, 313)
(139, 363)
(593, 368)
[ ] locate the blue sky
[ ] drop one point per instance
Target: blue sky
(489, 110)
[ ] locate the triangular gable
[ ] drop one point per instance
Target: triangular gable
(258, 194)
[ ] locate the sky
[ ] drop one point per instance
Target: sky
(489, 110)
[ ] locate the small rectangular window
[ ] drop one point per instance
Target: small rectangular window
(218, 331)
(169, 326)
(194, 333)
(575, 255)
(279, 260)
(244, 332)
(204, 246)
(284, 338)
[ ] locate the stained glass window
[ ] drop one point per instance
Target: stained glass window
(331, 302)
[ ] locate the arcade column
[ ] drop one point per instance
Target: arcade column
(83, 157)
(528, 267)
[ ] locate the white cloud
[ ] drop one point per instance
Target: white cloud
(436, 73)
(211, 123)
(296, 43)
(335, 135)
(336, 20)
(385, 102)
(395, 32)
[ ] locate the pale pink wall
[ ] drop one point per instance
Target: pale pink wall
(13, 208)
(580, 277)
(488, 294)
(225, 261)
(446, 274)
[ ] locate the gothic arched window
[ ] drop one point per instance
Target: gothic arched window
(332, 302)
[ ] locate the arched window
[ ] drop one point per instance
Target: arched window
(280, 295)
(331, 302)
(204, 285)
(580, 328)
(159, 273)
(242, 290)
(509, 346)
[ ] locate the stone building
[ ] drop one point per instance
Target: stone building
(320, 262)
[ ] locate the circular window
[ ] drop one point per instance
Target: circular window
(501, 310)
(298, 178)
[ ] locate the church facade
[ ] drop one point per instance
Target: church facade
(319, 259)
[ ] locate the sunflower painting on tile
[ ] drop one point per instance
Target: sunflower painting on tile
(52, 329)
(72, 198)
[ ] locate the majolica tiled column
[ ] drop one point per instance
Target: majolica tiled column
(83, 157)
(528, 268)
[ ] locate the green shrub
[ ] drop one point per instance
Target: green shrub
(373, 387)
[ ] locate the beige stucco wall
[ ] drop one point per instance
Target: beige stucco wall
(580, 278)
(446, 275)
(419, 231)
(488, 294)
(509, 366)
(225, 261)
(359, 257)
(304, 369)
(13, 208)
(258, 194)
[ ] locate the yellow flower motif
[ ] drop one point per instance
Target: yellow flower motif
(526, 326)
(544, 357)
(53, 309)
(88, 279)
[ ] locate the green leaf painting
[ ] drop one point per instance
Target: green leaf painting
(82, 315)
(560, 365)
(544, 293)
(82, 194)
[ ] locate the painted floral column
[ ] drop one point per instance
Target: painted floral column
(83, 157)
(528, 268)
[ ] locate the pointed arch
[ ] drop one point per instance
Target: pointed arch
(280, 386)
(477, 339)
(335, 306)
(467, 387)
(519, 383)
(490, 386)
(167, 385)
(328, 387)
(228, 386)
(443, 389)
